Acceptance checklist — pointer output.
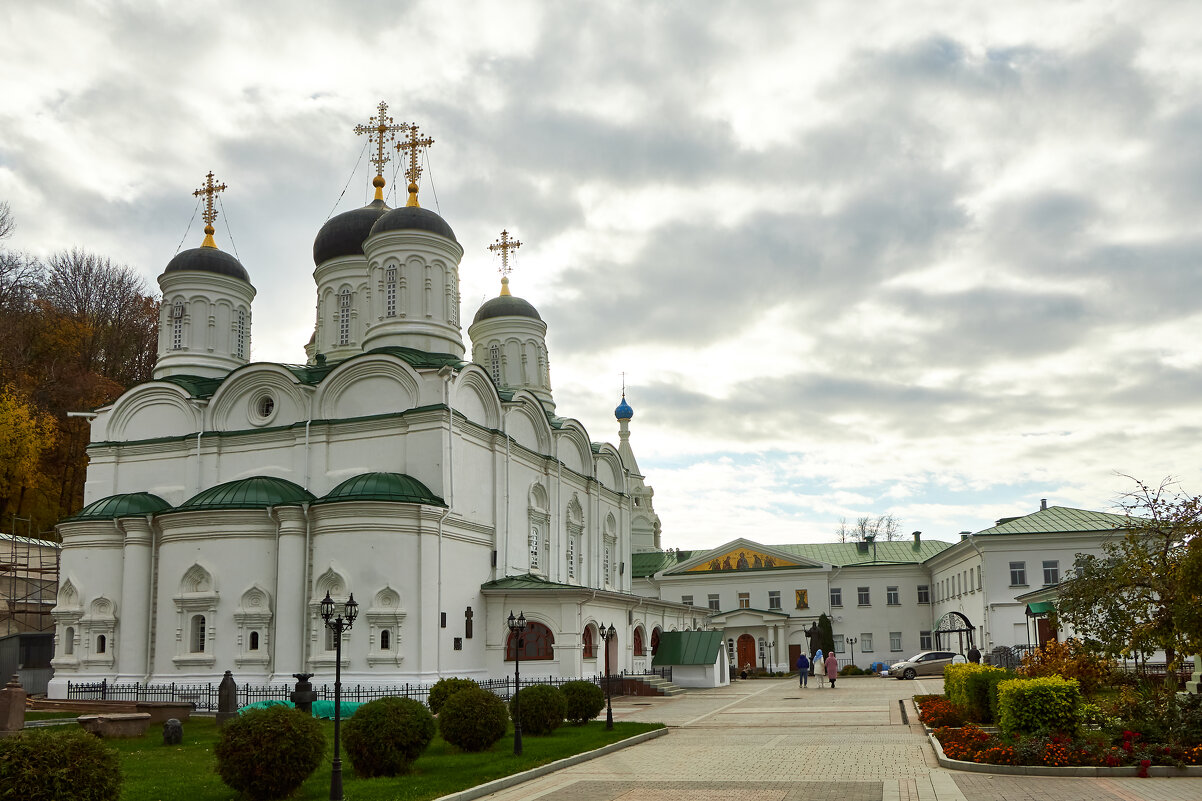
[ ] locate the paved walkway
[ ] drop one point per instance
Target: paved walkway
(768, 740)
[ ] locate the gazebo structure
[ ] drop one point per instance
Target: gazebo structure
(954, 631)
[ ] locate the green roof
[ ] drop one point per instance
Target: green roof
(527, 581)
(842, 554)
(129, 504)
(1037, 608)
(197, 386)
(257, 492)
(650, 563)
(687, 648)
(1058, 520)
(396, 487)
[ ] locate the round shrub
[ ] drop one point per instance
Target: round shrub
(386, 735)
(46, 765)
(473, 719)
(585, 701)
(268, 753)
(541, 706)
(444, 689)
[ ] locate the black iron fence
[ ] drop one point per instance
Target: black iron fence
(204, 696)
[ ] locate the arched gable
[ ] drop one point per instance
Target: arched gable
(68, 596)
(155, 409)
(367, 385)
(538, 498)
(573, 448)
(473, 396)
(527, 423)
(196, 579)
(257, 395)
(332, 582)
(255, 599)
(609, 468)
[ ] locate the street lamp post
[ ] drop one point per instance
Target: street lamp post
(852, 642)
(516, 627)
(606, 636)
(771, 663)
(338, 623)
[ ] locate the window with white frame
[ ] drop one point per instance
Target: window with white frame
(536, 549)
(836, 596)
(924, 640)
(924, 593)
(494, 362)
(196, 637)
(895, 641)
(1018, 574)
(774, 599)
(838, 643)
(714, 602)
(892, 596)
(390, 292)
(607, 564)
(866, 642)
(571, 556)
(1051, 571)
(744, 600)
(863, 598)
(978, 577)
(687, 600)
(344, 317)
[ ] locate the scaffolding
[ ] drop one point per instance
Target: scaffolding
(28, 582)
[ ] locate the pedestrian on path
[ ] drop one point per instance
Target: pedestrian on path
(832, 668)
(820, 668)
(803, 670)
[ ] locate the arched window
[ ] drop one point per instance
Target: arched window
(654, 641)
(385, 640)
(536, 547)
(494, 362)
(196, 642)
(69, 637)
(254, 641)
(607, 566)
(638, 642)
(331, 640)
(101, 643)
(537, 642)
(590, 649)
(344, 317)
(390, 292)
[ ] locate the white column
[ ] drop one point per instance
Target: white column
(289, 607)
(133, 633)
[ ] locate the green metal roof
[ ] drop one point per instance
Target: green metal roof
(196, 386)
(527, 581)
(257, 492)
(1058, 520)
(1037, 608)
(687, 648)
(843, 554)
(129, 504)
(396, 487)
(650, 563)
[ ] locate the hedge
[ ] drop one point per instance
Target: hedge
(1045, 705)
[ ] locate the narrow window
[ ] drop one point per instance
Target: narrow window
(240, 341)
(863, 597)
(177, 326)
(534, 549)
(1051, 572)
(892, 596)
(730, 650)
(571, 557)
(344, 317)
(390, 292)
(196, 643)
(895, 641)
(385, 640)
(69, 645)
(839, 643)
(713, 602)
(330, 639)
(924, 640)
(924, 593)
(254, 641)
(1018, 574)
(494, 362)
(836, 596)
(607, 567)
(638, 642)
(687, 600)
(587, 640)
(101, 643)
(774, 599)
(866, 643)
(744, 600)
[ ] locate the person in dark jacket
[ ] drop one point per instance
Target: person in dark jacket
(803, 670)
(974, 655)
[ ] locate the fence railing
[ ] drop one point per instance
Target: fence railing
(204, 696)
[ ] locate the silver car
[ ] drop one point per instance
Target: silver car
(924, 663)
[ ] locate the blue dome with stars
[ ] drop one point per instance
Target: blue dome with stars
(623, 412)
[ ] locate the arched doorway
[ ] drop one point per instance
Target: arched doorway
(954, 632)
(746, 651)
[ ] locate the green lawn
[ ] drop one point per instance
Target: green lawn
(154, 772)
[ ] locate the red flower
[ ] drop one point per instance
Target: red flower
(1143, 768)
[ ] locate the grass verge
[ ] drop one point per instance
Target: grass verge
(155, 772)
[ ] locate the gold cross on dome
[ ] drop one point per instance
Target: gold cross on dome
(413, 144)
(380, 129)
(209, 190)
(503, 246)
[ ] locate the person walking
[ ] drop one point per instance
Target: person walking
(803, 670)
(820, 668)
(974, 655)
(832, 668)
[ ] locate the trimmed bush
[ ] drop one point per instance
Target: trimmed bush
(541, 706)
(851, 670)
(981, 689)
(41, 765)
(585, 701)
(386, 735)
(473, 719)
(444, 689)
(1039, 706)
(955, 681)
(268, 753)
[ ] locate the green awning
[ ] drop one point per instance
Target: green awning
(1040, 608)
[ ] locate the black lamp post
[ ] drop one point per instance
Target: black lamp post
(606, 636)
(338, 623)
(771, 664)
(516, 627)
(852, 642)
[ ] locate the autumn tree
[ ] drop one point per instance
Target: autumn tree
(26, 435)
(1142, 594)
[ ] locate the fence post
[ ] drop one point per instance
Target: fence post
(104, 689)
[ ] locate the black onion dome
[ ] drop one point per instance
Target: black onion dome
(343, 234)
(413, 218)
(208, 260)
(506, 306)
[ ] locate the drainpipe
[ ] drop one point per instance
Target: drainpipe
(447, 374)
(972, 540)
(275, 588)
(150, 583)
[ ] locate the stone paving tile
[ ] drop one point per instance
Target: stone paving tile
(716, 791)
(983, 787)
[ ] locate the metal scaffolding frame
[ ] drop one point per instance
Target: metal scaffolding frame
(28, 582)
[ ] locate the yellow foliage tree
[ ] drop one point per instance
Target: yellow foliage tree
(26, 435)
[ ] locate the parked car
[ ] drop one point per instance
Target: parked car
(924, 663)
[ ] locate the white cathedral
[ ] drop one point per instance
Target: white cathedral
(225, 498)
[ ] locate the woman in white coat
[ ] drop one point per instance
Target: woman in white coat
(820, 668)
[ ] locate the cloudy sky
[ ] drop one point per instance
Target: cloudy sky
(930, 259)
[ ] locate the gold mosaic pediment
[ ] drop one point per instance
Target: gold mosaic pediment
(741, 559)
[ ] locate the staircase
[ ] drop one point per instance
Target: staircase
(651, 685)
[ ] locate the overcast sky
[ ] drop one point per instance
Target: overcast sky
(930, 259)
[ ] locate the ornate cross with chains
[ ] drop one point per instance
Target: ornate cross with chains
(209, 190)
(413, 144)
(380, 129)
(503, 246)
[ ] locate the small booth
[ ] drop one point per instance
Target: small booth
(697, 658)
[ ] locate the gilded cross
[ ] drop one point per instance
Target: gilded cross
(209, 190)
(413, 144)
(380, 129)
(503, 246)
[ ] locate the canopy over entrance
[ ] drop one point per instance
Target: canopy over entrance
(954, 631)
